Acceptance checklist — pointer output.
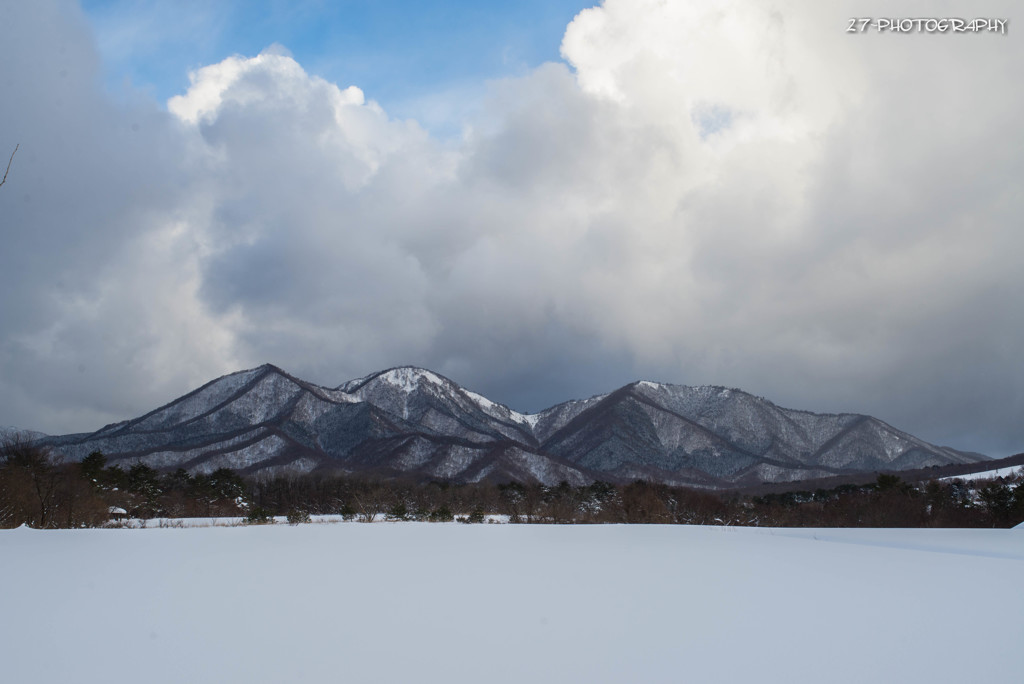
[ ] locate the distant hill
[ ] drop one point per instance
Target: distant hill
(413, 422)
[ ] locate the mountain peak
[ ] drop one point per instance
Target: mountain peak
(409, 377)
(704, 389)
(271, 368)
(405, 378)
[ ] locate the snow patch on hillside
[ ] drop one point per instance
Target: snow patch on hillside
(408, 379)
(989, 474)
(482, 401)
(455, 462)
(501, 411)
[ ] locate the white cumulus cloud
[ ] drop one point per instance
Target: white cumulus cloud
(704, 192)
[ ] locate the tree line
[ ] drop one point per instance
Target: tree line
(39, 490)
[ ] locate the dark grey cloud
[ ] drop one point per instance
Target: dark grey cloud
(742, 196)
(87, 215)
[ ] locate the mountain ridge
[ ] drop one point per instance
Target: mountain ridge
(409, 421)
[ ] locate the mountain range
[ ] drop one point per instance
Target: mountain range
(413, 422)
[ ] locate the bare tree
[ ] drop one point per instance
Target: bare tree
(30, 479)
(373, 502)
(39, 489)
(4, 180)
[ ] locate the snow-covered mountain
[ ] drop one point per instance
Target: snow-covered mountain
(411, 421)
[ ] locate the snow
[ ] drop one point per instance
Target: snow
(405, 378)
(455, 461)
(544, 469)
(267, 448)
(408, 378)
(484, 403)
(528, 418)
(500, 410)
(172, 459)
(510, 603)
(988, 474)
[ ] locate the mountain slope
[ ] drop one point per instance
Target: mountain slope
(696, 434)
(413, 422)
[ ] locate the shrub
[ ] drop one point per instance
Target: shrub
(259, 516)
(296, 516)
(399, 512)
(441, 514)
(477, 516)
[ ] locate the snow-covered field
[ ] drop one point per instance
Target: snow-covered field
(988, 474)
(418, 602)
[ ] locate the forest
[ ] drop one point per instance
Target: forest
(40, 490)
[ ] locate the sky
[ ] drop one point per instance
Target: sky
(541, 201)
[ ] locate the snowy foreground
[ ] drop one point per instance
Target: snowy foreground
(418, 602)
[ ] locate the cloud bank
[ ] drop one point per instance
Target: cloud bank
(734, 193)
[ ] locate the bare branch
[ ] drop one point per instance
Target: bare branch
(9, 164)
